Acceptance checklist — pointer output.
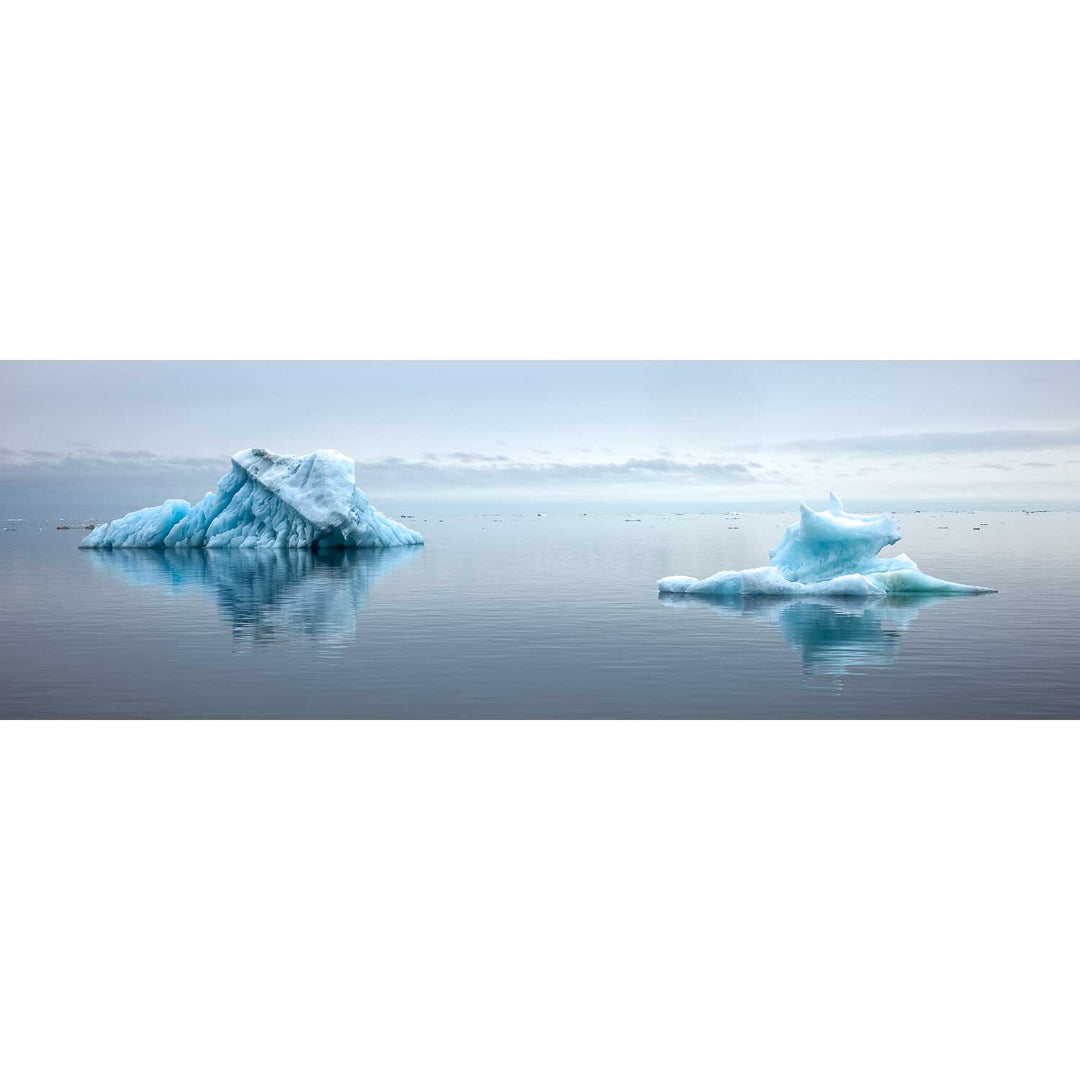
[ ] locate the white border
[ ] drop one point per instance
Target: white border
(534, 900)
(566, 180)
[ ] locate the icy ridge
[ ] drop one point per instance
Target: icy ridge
(265, 500)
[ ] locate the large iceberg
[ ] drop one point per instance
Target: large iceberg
(826, 553)
(265, 501)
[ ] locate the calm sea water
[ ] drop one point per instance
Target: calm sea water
(510, 616)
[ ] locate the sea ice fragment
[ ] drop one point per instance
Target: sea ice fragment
(826, 553)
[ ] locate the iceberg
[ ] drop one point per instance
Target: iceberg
(265, 501)
(826, 553)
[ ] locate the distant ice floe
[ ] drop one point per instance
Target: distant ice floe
(265, 501)
(826, 553)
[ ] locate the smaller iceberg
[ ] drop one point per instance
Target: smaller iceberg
(265, 501)
(826, 553)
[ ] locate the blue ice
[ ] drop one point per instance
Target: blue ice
(826, 553)
(265, 501)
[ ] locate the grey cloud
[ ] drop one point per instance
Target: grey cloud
(461, 455)
(1003, 468)
(464, 472)
(1038, 464)
(935, 442)
(460, 469)
(106, 459)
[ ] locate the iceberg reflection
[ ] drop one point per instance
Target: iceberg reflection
(832, 635)
(267, 594)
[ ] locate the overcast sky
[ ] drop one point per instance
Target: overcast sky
(665, 431)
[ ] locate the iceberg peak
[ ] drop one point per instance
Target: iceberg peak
(823, 544)
(827, 553)
(266, 500)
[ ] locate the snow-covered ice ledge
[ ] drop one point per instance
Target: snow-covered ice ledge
(826, 553)
(265, 501)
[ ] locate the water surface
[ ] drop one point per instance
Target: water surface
(512, 616)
